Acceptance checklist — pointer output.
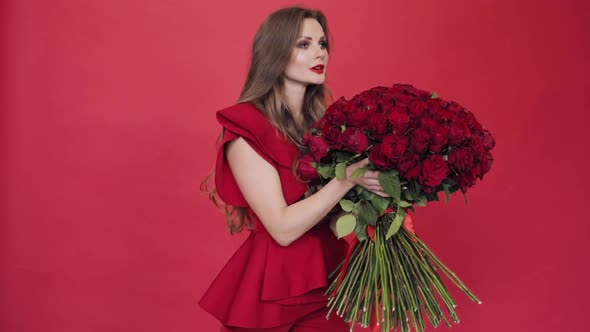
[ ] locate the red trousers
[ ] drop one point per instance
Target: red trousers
(314, 322)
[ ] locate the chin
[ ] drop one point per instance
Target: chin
(318, 81)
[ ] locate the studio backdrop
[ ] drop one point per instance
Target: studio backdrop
(108, 128)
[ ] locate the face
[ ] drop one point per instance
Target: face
(309, 58)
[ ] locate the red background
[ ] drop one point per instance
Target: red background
(108, 128)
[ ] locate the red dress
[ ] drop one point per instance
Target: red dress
(266, 285)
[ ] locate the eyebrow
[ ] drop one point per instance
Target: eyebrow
(309, 38)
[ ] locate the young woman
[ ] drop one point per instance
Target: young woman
(276, 280)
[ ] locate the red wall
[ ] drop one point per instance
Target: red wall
(108, 126)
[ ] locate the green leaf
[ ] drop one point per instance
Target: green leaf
(408, 195)
(361, 232)
(391, 185)
(465, 198)
(404, 204)
(414, 187)
(342, 156)
(341, 171)
(359, 190)
(326, 171)
(367, 213)
(345, 225)
(379, 203)
(421, 200)
(358, 172)
(434, 95)
(346, 205)
(396, 223)
(447, 190)
(432, 197)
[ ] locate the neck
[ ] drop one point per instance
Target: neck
(294, 94)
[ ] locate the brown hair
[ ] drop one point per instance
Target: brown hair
(264, 88)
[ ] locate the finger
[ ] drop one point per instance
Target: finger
(371, 174)
(363, 162)
(381, 193)
(372, 182)
(375, 189)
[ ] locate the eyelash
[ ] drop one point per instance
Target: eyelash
(323, 44)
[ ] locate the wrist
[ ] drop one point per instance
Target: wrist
(347, 182)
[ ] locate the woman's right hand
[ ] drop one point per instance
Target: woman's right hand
(369, 180)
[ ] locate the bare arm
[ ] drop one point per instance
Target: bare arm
(260, 184)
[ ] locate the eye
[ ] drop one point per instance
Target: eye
(303, 45)
(324, 44)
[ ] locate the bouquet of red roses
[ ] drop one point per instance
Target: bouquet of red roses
(422, 145)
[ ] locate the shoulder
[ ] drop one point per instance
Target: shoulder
(246, 120)
(242, 114)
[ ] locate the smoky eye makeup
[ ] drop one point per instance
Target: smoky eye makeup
(305, 43)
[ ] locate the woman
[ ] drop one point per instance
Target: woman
(276, 279)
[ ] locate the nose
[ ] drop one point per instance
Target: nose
(321, 53)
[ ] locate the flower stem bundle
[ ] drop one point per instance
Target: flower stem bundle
(394, 283)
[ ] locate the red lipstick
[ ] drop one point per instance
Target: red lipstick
(319, 69)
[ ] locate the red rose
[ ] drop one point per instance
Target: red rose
(394, 146)
(438, 112)
(484, 165)
(454, 107)
(306, 170)
(461, 159)
(458, 131)
(320, 124)
(470, 120)
(434, 170)
(419, 140)
(371, 106)
(403, 100)
(488, 140)
(365, 101)
(338, 105)
(378, 90)
(398, 119)
(318, 147)
(350, 108)
(467, 180)
(476, 145)
(359, 119)
(418, 108)
(438, 138)
(355, 140)
(409, 165)
(386, 105)
(333, 136)
(335, 113)
(336, 117)
(411, 90)
(379, 159)
(377, 123)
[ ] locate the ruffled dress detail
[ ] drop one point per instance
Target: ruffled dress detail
(266, 285)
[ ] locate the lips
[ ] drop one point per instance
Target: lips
(317, 69)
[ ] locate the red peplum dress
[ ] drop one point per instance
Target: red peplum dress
(265, 285)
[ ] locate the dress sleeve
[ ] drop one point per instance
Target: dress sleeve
(242, 120)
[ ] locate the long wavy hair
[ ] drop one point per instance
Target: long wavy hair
(265, 89)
